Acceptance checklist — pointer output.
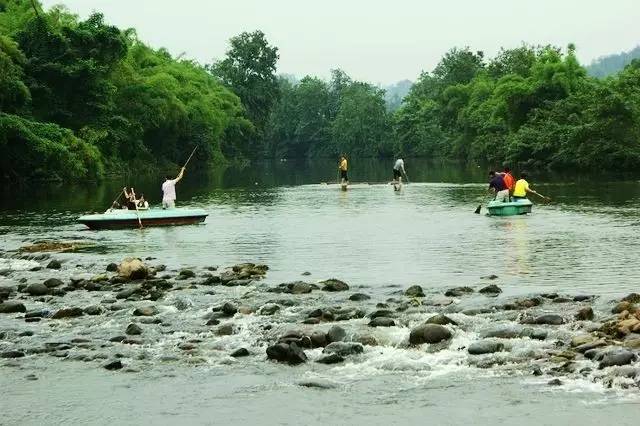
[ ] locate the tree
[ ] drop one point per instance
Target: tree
(249, 71)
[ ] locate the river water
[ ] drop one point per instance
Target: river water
(293, 217)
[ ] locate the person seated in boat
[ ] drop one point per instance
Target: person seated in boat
(129, 199)
(522, 189)
(169, 190)
(343, 166)
(509, 180)
(497, 185)
(142, 203)
(398, 171)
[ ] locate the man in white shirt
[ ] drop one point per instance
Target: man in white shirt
(398, 171)
(169, 191)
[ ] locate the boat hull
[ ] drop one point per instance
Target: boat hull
(119, 219)
(514, 208)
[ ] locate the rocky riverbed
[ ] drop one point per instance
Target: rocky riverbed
(136, 315)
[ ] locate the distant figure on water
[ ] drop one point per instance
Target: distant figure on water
(398, 171)
(169, 191)
(522, 189)
(497, 185)
(343, 166)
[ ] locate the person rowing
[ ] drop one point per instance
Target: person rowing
(522, 189)
(130, 201)
(497, 185)
(169, 190)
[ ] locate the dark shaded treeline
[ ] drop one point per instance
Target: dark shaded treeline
(82, 99)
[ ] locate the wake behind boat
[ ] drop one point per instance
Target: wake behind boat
(122, 218)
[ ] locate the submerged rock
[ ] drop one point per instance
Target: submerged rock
(441, 320)
(414, 291)
(429, 333)
(585, 314)
(491, 289)
(112, 267)
(12, 354)
(343, 348)
(548, 319)
(289, 353)
(332, 358)
(359, 297)
(336, 334)
(334, 285)
(485, 347)
(54, 264)
(269, 309)
(134, 329)
(458, 291)
(11, 307)
(68, 313)
(113, 365)
(382, 322)
(37, 289)
(145, 311)
(241, 352)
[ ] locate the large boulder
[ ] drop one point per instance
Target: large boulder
(491, 290)
(414, 291)
(585, 314)
(485, 347)
(37, 289)
(68, 313)
(429, 333)
(334, 285)
(382, 322)
(12, 307)
(289, 353)
(336, 334)
(547, 319)
(617, 357)
(132, 268)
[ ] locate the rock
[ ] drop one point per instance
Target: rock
(54, 264)
(485, 347)
(582, 298)
(332, 358)
(229, 309)
(365, 339)
(548, 319)
(306, 273)
(491, 289)
(237, 283)
(458, 291)
(299, 287)
(128, 292)
(145, 311)
(621, 307)
(632, 343)
(585, 347)
(12, 307)
(290, 353)
(186, 346)
(632, 298)
(439, 301)
(225, 330)
(429, 333)
(213, 321)
(334, 285)
(68, 313)
(53, 282)
(554, 382)
(269, 309)
(238, 353)
(134, 329)
(562, 300)
(585, 314)
(537, 371)
(12, 354)
(336, 334)
(94, 310)
(37, 289)
(359, 297)
(113, 365)
(112, 267)
(186, 274)
(617, 357)
(380, 313)
(343, 348)
(441, 320)
(382, 322)
(319, 339)
(414, 291)
(132, 269)
(581, 340)
(489, 277)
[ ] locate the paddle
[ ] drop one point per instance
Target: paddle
(136, 205)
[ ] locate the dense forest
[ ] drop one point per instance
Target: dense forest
(81, 99)
(611, 64)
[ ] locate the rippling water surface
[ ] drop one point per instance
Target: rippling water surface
(584, 242)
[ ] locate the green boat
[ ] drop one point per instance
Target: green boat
(122, 218)
(513, 208)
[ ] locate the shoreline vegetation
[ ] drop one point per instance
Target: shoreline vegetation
(83, 100)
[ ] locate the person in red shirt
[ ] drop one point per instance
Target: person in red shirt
(509, 181)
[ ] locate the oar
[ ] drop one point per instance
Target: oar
(189, 159)
(116, 200)
(138, 214)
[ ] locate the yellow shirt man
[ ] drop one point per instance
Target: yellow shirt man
(343, 164)
(521, 188)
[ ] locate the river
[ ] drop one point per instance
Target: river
(292, 217)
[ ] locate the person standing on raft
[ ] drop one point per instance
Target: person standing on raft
(398, 171)
(169, 191)
(496, 183)
(343, 166)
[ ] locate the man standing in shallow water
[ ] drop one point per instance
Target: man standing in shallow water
(169, 191)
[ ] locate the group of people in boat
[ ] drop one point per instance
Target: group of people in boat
(507, 189)
(132, 202)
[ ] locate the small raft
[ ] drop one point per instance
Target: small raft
(122, 218)
(513, 208)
